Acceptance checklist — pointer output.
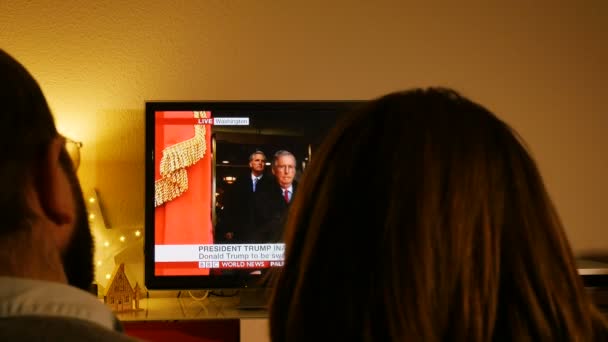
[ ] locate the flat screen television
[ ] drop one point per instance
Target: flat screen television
(207, 226)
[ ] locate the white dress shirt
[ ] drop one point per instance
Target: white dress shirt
(29, 297)
(289, 192)
(255, 180)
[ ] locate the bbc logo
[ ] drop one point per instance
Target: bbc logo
(208, 264)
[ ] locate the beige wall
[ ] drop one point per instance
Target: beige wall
(541, 67)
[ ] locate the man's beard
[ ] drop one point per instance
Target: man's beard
(78, 256)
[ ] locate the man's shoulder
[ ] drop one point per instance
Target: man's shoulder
(266, 178)
(52, 328)
(265, 183)
(242, 184)
(270, 186)
(243, 179)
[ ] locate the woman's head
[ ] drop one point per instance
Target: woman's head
(425, 217)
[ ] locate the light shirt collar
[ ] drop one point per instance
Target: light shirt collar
(29, 297)
(253, 177)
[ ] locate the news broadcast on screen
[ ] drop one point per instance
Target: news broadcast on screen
(224, 179)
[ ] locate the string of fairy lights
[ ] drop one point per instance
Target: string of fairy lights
(108, 242)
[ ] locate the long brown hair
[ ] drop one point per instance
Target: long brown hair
(424, 218)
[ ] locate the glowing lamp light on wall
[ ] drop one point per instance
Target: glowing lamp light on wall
(108, 242)
(229, 179)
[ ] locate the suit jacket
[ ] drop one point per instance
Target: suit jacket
(238, 216)
(270, 214)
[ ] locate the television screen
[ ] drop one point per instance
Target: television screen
(220, 178)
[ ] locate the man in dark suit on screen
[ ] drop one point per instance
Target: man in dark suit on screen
(273, 202)
(239, 206)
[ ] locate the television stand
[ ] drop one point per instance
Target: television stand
(253, 299)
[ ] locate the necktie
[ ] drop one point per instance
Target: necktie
(255, 181)
(286, 196)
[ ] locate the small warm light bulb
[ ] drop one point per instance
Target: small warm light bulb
(122, 239)
(137, 233)
(225, 162)
(106, 244)
(108, 276)
(267, 164)
(92, 200)
(99, 263)
(91, 216)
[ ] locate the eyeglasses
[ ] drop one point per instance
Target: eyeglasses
(73, 147)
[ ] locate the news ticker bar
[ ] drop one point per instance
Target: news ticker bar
(239, 264)
(231, 121)
(228, 121)
(268, 252)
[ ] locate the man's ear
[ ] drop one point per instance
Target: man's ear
(53, 186)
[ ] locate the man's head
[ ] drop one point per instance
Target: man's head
(284, 168)
(257, 161)
(40, 193)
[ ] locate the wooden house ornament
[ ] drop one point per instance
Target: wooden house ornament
(120, 296)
